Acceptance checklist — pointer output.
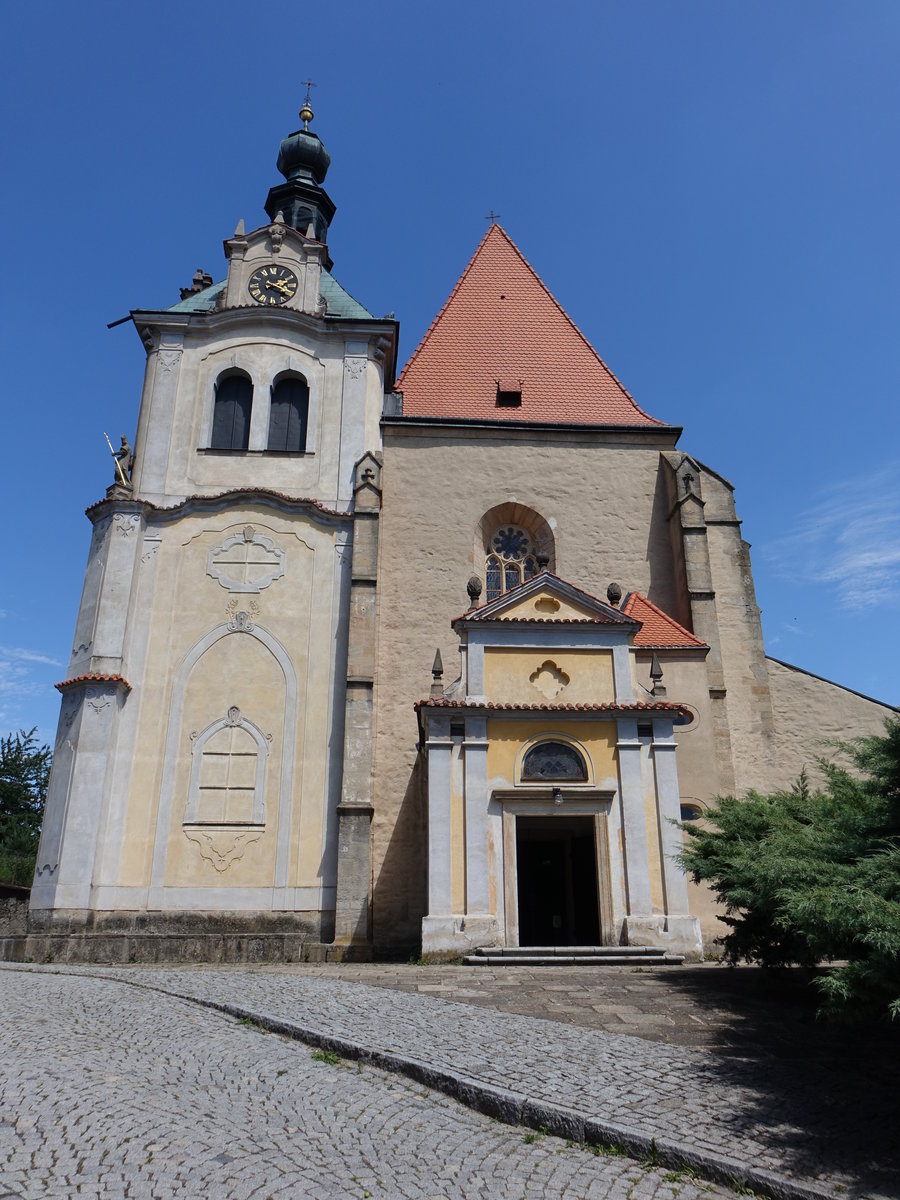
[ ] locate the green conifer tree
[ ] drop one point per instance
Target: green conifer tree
(806, 877)
(24, 773)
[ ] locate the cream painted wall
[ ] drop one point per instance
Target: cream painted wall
(299, 612)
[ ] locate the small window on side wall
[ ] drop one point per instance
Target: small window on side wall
(553, 761)
(231, 416)
(691, 812)
(289, 415)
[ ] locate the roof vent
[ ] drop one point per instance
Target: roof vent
(509, 397)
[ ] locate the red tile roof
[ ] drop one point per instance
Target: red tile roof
(666, 706)
(77, 680)
(658, 630)
(501, 327)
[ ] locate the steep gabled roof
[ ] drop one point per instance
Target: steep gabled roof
(501, 328)
(658, 630)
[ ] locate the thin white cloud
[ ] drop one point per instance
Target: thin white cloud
(849, 539)
(20, 654)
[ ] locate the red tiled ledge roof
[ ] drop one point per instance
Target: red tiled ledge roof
(658, 630)
(135, 504)
(84, 680)
(635, 706)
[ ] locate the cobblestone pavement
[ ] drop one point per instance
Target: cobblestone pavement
(110, 1090)
(829, 1119)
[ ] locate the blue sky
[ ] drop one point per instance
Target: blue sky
(709, 188)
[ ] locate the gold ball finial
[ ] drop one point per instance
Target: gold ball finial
(306, 112)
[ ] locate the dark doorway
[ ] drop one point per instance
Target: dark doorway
(557, 881)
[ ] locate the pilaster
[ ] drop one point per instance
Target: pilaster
(634, 827)
(157, 418)
(690, 541)
(668, 802)
(478, 864)
(75, 797)
(353, 903)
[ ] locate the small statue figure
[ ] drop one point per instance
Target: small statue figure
(124, 462)
(123, 459)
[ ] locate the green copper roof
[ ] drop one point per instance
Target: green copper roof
(339, 302)
(204, 301)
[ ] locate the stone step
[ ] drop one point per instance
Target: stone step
(572, 951)
(582, 956)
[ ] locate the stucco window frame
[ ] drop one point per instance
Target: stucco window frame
(232, 371)
(551, 736)
(248, 359)
(233, 719)
(518, 516)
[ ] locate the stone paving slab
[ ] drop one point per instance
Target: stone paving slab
(115, 1091)
(763, 1123)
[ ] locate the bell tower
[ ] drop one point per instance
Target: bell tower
(214, 746)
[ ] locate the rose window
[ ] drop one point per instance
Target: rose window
(510, 561)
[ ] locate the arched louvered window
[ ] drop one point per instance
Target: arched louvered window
(288, 416)
(231, 417)
(510, 560)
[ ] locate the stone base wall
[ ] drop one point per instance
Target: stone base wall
(13, 910)
(143, 937)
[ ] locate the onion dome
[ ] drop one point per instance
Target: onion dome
(301, 200)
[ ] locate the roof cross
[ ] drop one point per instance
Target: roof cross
(308, 83)
(492, 217)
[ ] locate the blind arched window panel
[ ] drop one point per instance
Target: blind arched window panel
(231, 417)
(289, 415)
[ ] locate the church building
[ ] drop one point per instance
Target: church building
(372, 662)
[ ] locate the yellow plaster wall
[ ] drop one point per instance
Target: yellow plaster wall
(508, 676)
(506, 736)
(544, 605)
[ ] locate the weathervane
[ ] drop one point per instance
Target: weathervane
(306, 112)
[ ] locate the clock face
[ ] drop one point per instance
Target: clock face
(272, 284)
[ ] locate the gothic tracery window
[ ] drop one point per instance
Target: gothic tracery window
(510, 560)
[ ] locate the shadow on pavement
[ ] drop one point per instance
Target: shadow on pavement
(826, 1095)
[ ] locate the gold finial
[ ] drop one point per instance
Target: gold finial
(306, 112)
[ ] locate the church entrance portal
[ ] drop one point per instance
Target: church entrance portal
(557, 881)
